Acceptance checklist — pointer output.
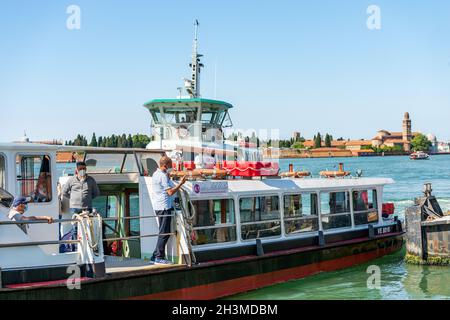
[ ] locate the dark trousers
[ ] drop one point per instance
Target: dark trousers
(164, 227)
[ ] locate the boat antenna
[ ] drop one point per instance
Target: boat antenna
(193, 85)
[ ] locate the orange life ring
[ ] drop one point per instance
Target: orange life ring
(335, 174)
(197, 173)
(295, 174)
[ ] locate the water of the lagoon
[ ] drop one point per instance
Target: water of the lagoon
(398, 280)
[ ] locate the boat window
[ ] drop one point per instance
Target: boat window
(111, 163)
(134, 224)
(260, 217)
(226, 122)
(34, 177)
(300, 213)
(156, 115)
(148, 163)
(2, 172)
(107, 207)
(365, 206)
(175, 115)
(335, 210)
(209, 117)
(130, 164)
(214, 221)
(6, 199)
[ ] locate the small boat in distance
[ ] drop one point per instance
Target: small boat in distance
(419, 155)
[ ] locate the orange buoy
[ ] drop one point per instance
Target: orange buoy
(295, 174)
(335, 174)
(197, 173)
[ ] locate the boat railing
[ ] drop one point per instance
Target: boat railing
(36, 243)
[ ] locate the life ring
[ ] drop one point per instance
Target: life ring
(197, 173)
(182, 132)
(335, 174)
(295, 174)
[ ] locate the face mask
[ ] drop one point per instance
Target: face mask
(82, 173)
(25, 209)
(169, 170)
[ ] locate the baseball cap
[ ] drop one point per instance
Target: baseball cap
(20, 200)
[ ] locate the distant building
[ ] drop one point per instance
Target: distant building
(352, 145)
(296, 136)
(434, 143)
(443, 147)
(402, 139)
(25, 139)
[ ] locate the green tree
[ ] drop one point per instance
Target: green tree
(327, 140)
(420, 143)
(94, 142)
(318, 141)
(298, 145)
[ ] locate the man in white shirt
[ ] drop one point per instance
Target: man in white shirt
(162, 200)
(20, 206)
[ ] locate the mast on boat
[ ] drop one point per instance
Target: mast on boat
(192, 85)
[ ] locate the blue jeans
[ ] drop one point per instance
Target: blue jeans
(164, 227)
(71, 235)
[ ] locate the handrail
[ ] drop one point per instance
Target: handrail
(75, 220)
(137, 217)
(139, 237)
(37, 222)
(37, 243)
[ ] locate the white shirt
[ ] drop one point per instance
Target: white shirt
(160, 184)
(204, 161)
(15, 215)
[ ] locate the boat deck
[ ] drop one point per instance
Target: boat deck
(120, 264)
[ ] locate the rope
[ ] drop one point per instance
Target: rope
(87, 226)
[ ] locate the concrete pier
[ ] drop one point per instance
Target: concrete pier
(427, 232)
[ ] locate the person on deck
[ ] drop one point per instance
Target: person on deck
(162, 200)
(20, 206)
(81, 189)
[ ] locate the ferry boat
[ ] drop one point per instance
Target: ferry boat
(237, 227)
(419, 155)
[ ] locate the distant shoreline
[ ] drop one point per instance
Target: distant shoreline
(302, 156)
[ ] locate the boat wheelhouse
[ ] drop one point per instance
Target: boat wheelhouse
(191, 125)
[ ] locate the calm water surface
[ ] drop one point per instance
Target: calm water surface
(398, 280)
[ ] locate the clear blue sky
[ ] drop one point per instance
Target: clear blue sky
(294, 65)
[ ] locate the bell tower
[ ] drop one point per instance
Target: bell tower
(407, 132)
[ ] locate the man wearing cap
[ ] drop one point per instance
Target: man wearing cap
(81, 189)
(20, 206)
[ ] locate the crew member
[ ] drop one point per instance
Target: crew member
(162, 199)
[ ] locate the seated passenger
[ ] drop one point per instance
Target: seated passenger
(20, 206)
(205, 161)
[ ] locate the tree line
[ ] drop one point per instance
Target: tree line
(113, 141)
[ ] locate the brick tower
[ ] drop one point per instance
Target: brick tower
(407, 133)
